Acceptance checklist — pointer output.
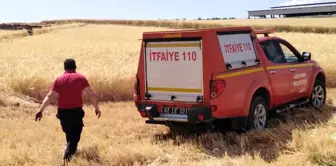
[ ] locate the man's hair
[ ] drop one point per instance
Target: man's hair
(70, 64)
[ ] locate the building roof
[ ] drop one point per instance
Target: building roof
(297, 9)
(306, 5)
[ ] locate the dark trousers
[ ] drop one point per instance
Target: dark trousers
(72, 125)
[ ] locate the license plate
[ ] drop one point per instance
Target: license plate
(174, 110)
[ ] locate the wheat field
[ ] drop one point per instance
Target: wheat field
(6, 35)
(10, 32)
(107, 55)
(299, 25)
(302, 22)
(120, 137)
(104, 54)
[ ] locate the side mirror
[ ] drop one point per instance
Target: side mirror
(306, 56)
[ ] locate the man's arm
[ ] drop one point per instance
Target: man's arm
(45, 103)
(94, 99)
(47, 100)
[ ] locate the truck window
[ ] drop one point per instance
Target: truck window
(273, 51)
(289, 55)
(238, 50)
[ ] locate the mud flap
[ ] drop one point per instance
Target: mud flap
(151, 111)
(194, 112)
(239, 123)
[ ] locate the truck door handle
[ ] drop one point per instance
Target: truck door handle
(272, 71)
(292, 70)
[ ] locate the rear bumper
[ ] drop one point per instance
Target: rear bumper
(196, 115)
(165, 121)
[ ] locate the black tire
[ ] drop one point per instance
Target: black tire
(258, 109)
(319, 94)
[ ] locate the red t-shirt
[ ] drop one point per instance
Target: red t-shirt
(69, 87)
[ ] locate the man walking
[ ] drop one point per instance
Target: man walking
(69, 88)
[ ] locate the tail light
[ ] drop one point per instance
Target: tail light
(217, 88)
(136, 86)
(200, 117)
(143, 114)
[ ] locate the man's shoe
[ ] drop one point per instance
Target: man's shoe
(67, 158)
(67, 154)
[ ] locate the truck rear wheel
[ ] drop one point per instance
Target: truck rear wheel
(318, 95)
(258, 115)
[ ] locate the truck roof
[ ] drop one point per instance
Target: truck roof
(197, 32)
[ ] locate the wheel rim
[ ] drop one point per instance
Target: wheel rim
(259, 117)
(318, 96)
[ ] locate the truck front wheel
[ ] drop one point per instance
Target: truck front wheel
(318, 95)
(258, 115)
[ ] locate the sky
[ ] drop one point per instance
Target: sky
(38, 10)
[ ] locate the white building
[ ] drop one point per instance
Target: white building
(312, 9)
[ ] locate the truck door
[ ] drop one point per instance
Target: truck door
(279, 76)
(174, 70)
(301, 71)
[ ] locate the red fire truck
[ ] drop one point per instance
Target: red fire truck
(199, 77)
